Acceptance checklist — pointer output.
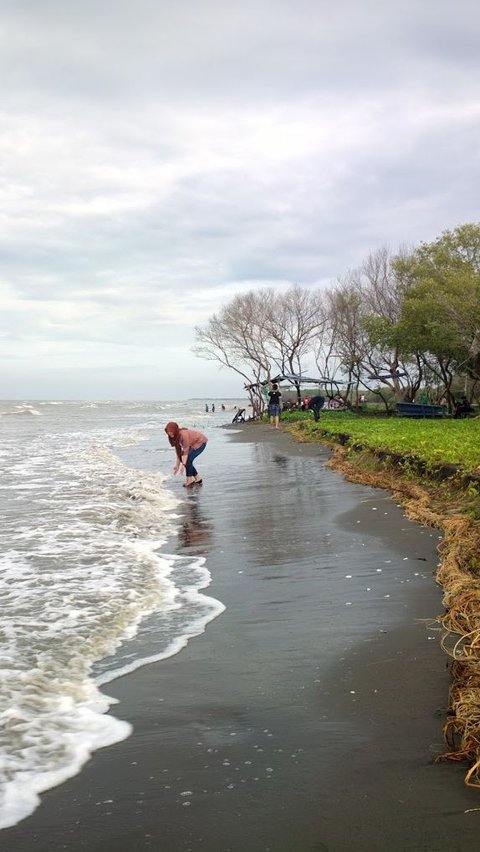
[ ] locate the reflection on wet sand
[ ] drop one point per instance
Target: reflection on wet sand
(196, 530)
(280, 460)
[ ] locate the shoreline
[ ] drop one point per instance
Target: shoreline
(308, 710)
(446, 499)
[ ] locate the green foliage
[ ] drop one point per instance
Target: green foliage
(381, 331)
(433, 442)
(441, 310)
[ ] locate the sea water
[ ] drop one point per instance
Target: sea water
(87, 589)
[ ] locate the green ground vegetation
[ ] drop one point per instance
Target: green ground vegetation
(433, 442)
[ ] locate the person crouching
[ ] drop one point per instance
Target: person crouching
(188, 445)
(315, 404)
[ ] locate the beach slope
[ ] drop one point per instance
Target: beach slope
(307, 715)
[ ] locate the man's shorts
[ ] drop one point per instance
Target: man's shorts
(274, 410)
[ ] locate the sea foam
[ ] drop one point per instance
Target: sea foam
(86, 593)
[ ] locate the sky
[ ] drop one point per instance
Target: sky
(158, 157)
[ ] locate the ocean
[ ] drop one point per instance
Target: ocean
(90, 585)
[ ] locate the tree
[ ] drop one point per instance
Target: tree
(261, 333)
(235, 339)
(387, 360)
(441, 311)
(364, 312)
(340, 353)
(295, 321)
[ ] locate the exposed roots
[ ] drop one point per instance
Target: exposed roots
(459, 576)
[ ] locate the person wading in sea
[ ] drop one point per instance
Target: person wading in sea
(188, 445)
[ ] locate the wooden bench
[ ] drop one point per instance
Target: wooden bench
(418, 409)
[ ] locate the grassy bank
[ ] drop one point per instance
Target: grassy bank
(433, 468)
(434, 442)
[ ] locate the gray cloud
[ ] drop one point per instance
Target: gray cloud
(156, 159)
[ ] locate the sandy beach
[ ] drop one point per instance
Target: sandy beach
(306, 717)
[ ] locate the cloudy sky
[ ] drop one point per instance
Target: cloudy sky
(159, 156)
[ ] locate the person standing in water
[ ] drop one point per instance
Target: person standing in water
(188, 445)
(274, 405)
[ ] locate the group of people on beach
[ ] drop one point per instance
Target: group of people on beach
(189, 443)
(314, 403)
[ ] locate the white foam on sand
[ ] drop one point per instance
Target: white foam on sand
(35, 769)
(56, 717)
(194, 611)
(86, 595)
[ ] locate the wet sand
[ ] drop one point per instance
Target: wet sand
(306, 717)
